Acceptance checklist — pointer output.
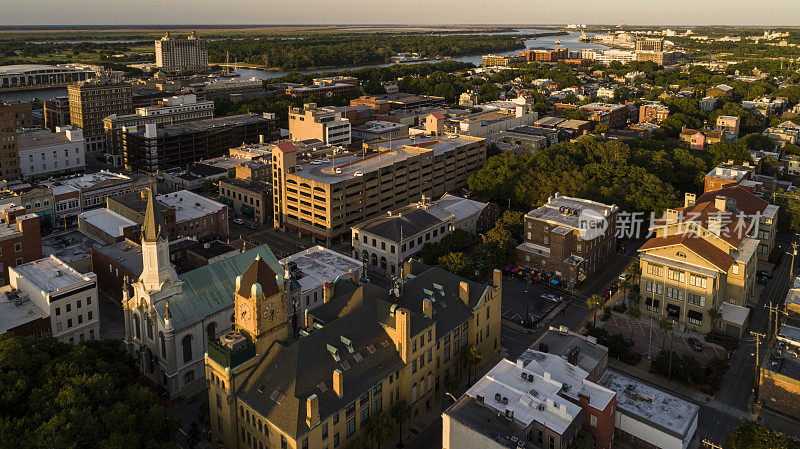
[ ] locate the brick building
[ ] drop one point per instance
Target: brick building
(570, 238)
(20, 239)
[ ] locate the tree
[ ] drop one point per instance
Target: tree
(594, 302)
(751, 435)
(714, 315)
(667, 326)
(471, 356)
(379, 427)
(458, 263)
(401, 412)
(451, 384)
(57, 395)
(730, 151)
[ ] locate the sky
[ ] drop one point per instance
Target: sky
(287, 12)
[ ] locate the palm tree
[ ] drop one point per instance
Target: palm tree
(594, 302)
(714, 314)
(625, 285)
(667, 325)
(401, 411)
(378, 429)
(471, 355)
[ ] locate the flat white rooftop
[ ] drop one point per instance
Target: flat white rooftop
(107, 221)
(189, 205)
(647, 403)
(319, 265)
(51, 275)
(14, 312)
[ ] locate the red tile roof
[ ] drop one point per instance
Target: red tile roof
(286, 147)
(745, 201)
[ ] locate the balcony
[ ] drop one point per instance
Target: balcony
(228, 357)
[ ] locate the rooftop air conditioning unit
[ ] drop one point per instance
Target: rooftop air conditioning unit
(233, 340)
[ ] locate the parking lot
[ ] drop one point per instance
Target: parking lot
(648, 339)
(520, 298)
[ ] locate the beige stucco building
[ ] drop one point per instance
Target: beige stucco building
(700, 259)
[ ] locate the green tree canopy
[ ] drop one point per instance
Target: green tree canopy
(57, 395)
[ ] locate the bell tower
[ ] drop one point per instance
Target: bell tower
(156, 267)
(260, 305)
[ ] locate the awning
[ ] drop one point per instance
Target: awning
(248, 210)
(694, 315)
(226, 201)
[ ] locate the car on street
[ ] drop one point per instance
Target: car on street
(238, 221)
(607, 294)
(694, 344)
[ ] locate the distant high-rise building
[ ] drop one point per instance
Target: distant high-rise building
(56, 112)
(91, 101)
(181, 54)
(650, 44)
(12, 117)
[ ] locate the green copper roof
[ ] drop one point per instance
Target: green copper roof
(209, 289)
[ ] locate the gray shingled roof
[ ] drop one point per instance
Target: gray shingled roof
(408, 221)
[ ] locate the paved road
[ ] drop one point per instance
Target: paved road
(737, 385)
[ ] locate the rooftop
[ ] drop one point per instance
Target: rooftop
(562, 341)
(32, 138)
(730, 171)
(317, 265)
(571, 212)
(69, 247)
(784, 357)
(647, 403)
(389, 153)
(107, 221)
(15, 310)
(189, 205)
(51, 275)
(201, 125)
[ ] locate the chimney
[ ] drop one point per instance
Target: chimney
(520, 364)
(497, 278)
(427, 308)
(327, 291)
(402, 324)
(689, 199)
(546, 376)
(338, 382)
(720, 202)
(463, 292)
(672, 216)
(312, 410)
(309, 320)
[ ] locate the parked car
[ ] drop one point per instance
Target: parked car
(623, 276)
(238, 221)
(607, 294)
(694, 344)
(764, 273)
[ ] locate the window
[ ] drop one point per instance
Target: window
(18, 247)
(698, 281)
(351, 427)
(734, 269)
(364, 415)
(58, 311)
(593, 421)
(89, 315)
(336, 439)
(188, 377)
(187, 348)
(654, 269)
(325, 431)
(696, 300)
(675, 275)
(675, 293)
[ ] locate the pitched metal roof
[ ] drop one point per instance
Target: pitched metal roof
(209, 289)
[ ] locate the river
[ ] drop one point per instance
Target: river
(569, 40)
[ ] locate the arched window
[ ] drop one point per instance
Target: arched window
(383, 263)
(374, 260)
(149, 324)
(211, 330)
(355, 255)
(163, 343)
(137, 329)
(187, 348)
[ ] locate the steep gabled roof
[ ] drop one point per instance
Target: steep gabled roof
(697, 245)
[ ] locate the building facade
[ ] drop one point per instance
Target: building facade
(56, 112)
(248, 198)
(700, 258)
(570, 238)
(44, 153)
(20, 239)
(90, 102)
(151, 147)
(181, 54)
(324, 200)
(13, 116)
(70, 298)
(326, 125)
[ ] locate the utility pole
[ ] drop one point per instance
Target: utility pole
(757, 337)
(791, 267)
(773, 331)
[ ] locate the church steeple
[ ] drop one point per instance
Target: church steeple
(156, 267)
(151, 228)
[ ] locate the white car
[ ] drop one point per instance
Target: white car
(238, 221)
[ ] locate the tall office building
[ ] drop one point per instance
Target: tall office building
(181, 54)
(650, 44)
(56, 112)
(91, 101)
(12, 117)
(324, 124)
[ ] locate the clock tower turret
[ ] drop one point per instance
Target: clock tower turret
(260, 305)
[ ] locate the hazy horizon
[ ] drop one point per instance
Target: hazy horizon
(765, 13)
